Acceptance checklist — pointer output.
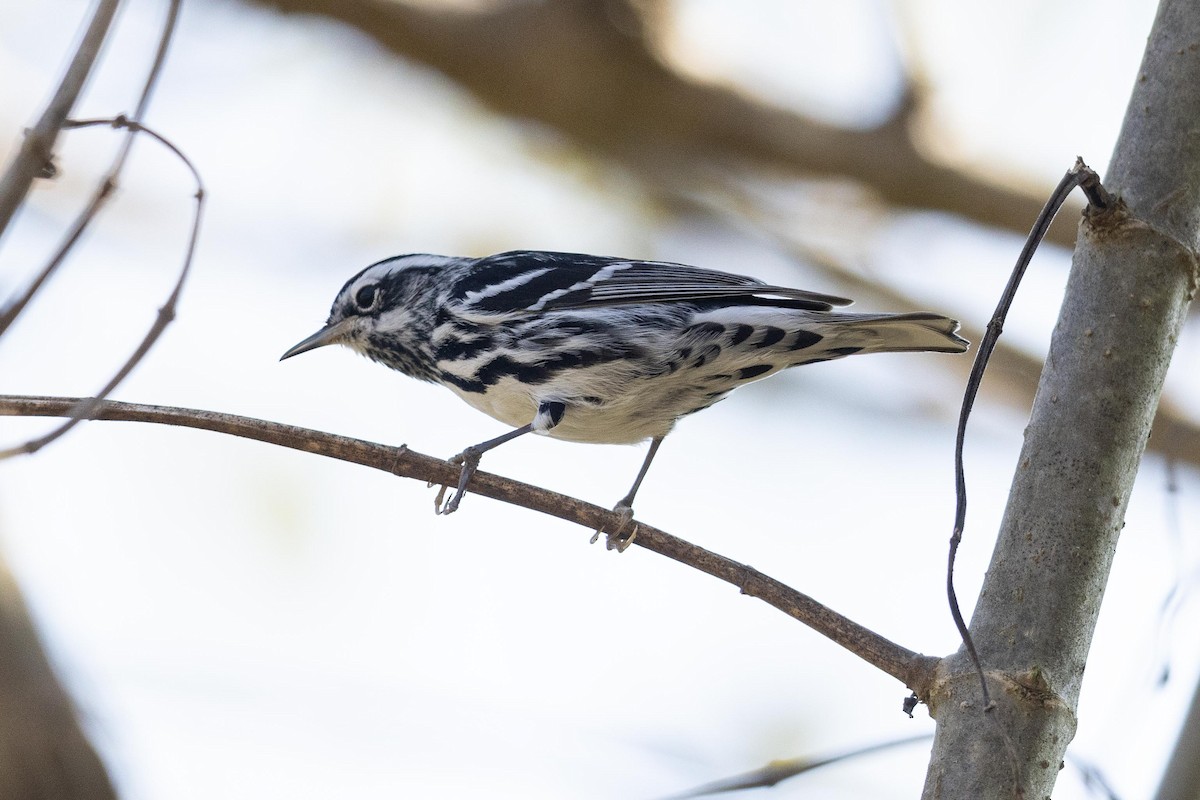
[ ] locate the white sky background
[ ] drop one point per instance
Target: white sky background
(243, 622)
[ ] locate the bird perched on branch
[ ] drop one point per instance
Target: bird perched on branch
(595, 349)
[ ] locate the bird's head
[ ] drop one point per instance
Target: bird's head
(387, 312)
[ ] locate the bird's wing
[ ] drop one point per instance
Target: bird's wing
(525, 281)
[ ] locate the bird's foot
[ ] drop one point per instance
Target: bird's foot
(469, 460)
(617, 539)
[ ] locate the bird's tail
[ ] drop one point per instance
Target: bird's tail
(899, 333)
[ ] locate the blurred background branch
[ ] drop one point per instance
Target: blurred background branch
(589, 69)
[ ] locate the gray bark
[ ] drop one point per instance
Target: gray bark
(1131, 282)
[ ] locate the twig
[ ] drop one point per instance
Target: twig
(33, 159)
(164, 316)
(1079, 175)
(914, 669)
(13, 309)
(1094, 780)
(1183, 582)
(778, 771)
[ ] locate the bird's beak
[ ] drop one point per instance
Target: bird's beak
(330, 334)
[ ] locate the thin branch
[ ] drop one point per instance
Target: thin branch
(13, 309)
(914, 669)
(165, 314)
(778, 771)
(1183, 582)
(1076, 176)
(33, 159)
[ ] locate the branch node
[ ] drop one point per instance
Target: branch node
(1097, 196)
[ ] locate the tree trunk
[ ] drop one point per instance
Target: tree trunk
(44, 754)
(1131, 282)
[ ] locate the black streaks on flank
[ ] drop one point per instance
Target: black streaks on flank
(710, 399)
(805, 339)
(704, 330)
(464, 348)
(569, 326)
(741, 333)
(746, 373)
(771, 335)
(706, 355)
(836, 352)
(537, 372)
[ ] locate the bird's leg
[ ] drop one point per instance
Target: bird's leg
(469, 459)
(548, 415)
(624, 507)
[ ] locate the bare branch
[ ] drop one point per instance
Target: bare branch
(782, 770)
(914, 669)
(33, 159)
(165, 314)
(13, 309)
(1076, 176)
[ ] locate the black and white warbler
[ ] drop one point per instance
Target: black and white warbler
(594, 349)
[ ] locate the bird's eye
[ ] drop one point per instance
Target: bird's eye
(365, 297)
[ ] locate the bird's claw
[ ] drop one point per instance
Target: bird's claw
(616, 540)
(470, 463)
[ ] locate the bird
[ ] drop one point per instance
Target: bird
(596, 349)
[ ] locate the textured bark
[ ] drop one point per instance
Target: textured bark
(1131, 282)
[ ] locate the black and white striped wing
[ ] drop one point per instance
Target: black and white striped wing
(526, 281)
